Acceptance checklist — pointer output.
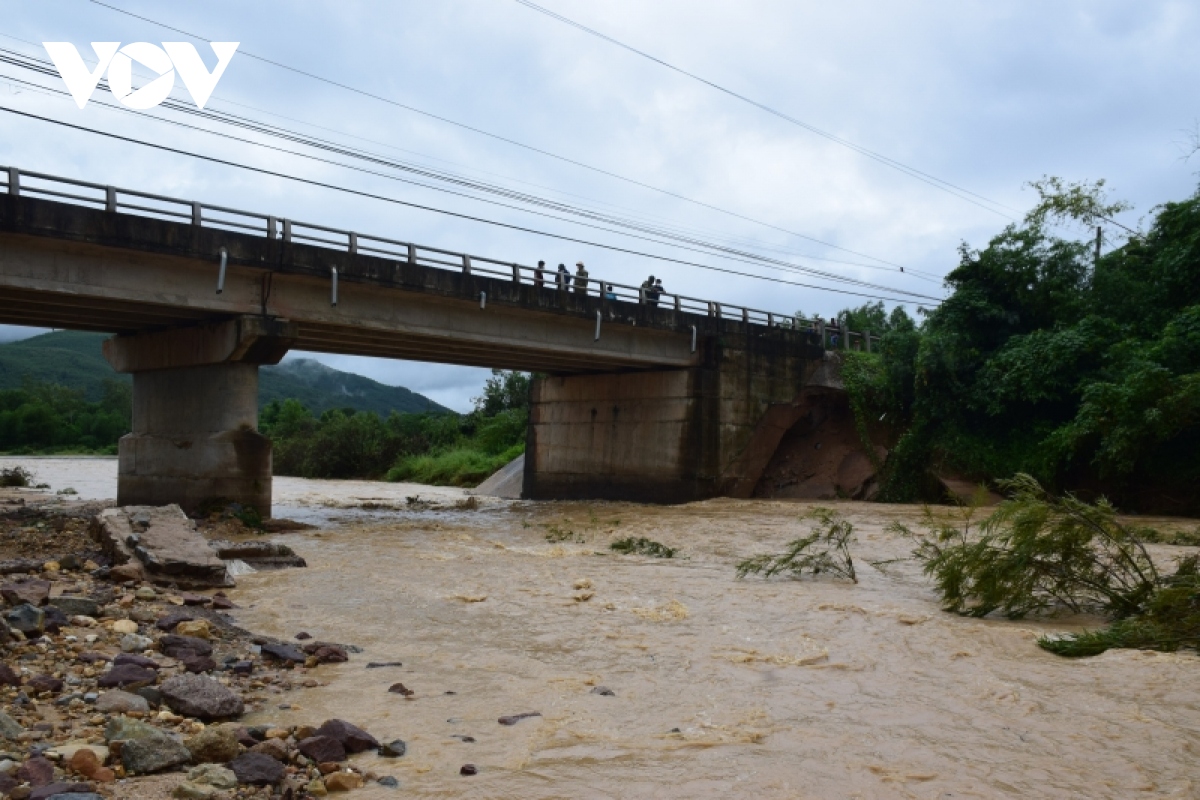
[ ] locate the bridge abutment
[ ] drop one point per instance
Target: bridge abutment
(195, 413)
(671, 436)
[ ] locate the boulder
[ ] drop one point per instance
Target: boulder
(283, 652)
(174, 645)
(127, 675)
(343, 781)
(164, 542)
(9, 727)
(257, 769)
(213, 775)
(216, 744)
(393, 749)
(118, 702)
(44, 683)
(28, 619)
(76, 606)
(322, 748)
(33, 592)
(37, 771)
(9, 676)
(135, 643)
(199, 696)
(168, 622)
(85, 762)
(120, 729)
(153, 751)
(856, 470)
(275, 748)
(136, 660)
(198, 664)
(54, 620)
(353, 738)
(197, 628)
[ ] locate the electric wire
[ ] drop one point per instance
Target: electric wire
(433, 209)
(719, 250)
(913, 172)
(499, 137)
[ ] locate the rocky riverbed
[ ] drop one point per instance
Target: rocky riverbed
(513, 654)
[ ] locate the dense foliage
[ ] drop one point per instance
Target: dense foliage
(453, 449)
(46, 418)
(1083, 372)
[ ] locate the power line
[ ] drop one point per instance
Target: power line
(719, 250)
(396, 201)
(913, 172)
(500, 138)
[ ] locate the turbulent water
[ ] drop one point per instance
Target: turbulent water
(722, 688)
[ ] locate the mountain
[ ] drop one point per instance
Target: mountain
(74, 359)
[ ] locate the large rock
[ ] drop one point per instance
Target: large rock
(353, 738)
(213, 775)
(64, 791)
(118, 702)
(9, 676)
(198, 696)
(322, 749)
(175, 646)
(9, 727)
(37, 771)
(216, 744)
(257, 769)
(283, 652)
(33, 592)
(127, 675)
(120, 729)
(153, 751)
(76, 606)
(164, 541)
(28, 619)
(856, 470)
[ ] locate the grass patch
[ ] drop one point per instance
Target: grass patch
(460, 466)
(640, 546)
(825, 550)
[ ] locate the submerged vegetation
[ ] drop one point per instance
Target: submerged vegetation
(641, 546)
(1039, 553)
(825, 550)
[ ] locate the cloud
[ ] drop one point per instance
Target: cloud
(986, 96)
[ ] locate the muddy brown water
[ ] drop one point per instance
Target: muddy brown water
(723, 688)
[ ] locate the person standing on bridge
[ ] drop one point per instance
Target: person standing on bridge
(653, 291)
(658, 290)
(539, 275)
(609, 294)
(581, 278)
(563, 277)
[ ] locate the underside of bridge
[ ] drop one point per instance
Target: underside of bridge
(632, 401)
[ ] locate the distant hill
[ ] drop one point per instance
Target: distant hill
(74, 359)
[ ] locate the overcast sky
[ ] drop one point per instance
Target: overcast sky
(984, 95)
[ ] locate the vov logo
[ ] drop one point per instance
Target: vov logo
(165, 61)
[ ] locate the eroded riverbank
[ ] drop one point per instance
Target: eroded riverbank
(777, 689)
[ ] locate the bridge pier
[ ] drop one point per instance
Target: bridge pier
(195, 413)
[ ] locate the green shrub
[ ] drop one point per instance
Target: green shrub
(825, 550)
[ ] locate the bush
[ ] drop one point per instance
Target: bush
(1039, 553)
(15, 477)
(461, 466)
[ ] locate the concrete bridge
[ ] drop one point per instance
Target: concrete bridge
(661, 399)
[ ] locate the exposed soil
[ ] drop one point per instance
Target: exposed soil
(821, 458)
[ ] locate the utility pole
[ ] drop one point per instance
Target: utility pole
(1099, 238)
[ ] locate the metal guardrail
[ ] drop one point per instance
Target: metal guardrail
(111, 198)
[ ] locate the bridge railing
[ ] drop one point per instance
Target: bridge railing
(111, 198)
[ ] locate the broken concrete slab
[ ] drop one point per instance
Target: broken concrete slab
(164, 542)
(258, 554)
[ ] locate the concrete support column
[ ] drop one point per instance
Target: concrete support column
(195, 413)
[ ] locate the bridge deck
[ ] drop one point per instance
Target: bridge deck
(69, 266)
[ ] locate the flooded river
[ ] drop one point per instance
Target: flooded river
(721, 688)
